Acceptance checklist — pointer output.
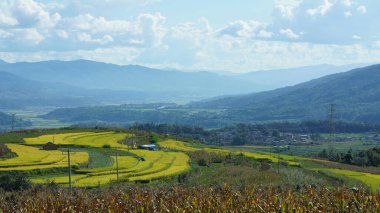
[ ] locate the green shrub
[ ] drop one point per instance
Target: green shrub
(106, 146)
(14, 182)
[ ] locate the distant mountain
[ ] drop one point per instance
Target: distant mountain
(273, 79)
(96, 75)
(5, 122)
(356, 94)
(155, 85)
(18, 92)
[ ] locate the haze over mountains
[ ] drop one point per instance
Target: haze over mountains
(356, 94)
(86, 83)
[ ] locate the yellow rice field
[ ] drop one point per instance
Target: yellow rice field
(31, 158)
(89, 139)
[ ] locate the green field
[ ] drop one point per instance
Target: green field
(372, 181)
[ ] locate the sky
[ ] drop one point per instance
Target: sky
(219, 35)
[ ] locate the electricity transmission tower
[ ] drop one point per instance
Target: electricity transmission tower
(332, 117)
(13, 121)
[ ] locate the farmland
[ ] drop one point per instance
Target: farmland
(128, 165)
(179, 168)
(372, 181)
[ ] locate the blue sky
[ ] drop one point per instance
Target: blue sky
(219, 35)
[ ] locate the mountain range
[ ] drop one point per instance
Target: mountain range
(88, 83)
(355, 95)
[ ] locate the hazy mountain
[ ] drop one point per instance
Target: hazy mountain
(273, 79)
(18, 92)
(96, 75)
(356, 94)
(5, 122)
(161, 85)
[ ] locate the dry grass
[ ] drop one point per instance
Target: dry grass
(182, 199)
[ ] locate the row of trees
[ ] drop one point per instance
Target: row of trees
(241, 134)
(370, 157)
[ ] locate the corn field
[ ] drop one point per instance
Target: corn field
(184, 199)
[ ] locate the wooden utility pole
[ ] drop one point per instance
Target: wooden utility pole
(117, 165)
(69, 164)
(278, 163)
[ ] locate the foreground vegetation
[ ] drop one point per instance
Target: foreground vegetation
(109, 174)
(195, 199)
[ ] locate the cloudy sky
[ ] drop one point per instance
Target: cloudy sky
(238, 36)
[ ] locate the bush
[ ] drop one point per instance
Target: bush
(4, 151)
(14, 182)
(106, 146)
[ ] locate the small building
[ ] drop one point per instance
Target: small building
(152, 147)
(50, 146)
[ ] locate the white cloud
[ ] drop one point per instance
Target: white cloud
(264, 34)
(151, 28)
(285, 8)
(28, 36)
(30, 13)
(84, 37)
(289, 33)
(347, 3)
(356, 37)
(6, 20)
(347, 13)
(62, 34)
(321, 10)
(362, 9)
(244, 29)
(5, 34)
(116, 55)
(94, 25)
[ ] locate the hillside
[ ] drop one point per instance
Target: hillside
(5, 122)
(154, 85)
(16, 92)
(96, 75)
(19, 92)
(356, 94)
(273, 79)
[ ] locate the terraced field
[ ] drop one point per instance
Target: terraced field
(89, 139)
(31, 158)
(156, 164)
(138, 165)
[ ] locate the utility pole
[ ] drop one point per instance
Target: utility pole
(117, 165)
(69, 163)
(278, 163)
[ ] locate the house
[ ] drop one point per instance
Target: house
(152, 147)
(50, 146)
